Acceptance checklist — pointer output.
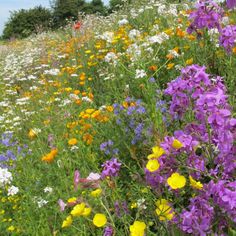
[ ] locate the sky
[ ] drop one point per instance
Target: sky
(10, 5)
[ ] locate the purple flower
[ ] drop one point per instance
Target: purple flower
(108, 231)
(197, 220)
(207, 15)
(231, 3)
(152, 80)
(227, 37)
(111, 168)
(117, 208)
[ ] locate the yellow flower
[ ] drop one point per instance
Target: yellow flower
(189, 61)
(96, 193)
(99, 220)
(157, 152)
(72, 199)
(153, 165)
(87, 211)
(11, 228)
(32, 134)
(133, 205)
(2, 212)
(78, 209)
(163, 210)
(137, 228)
(110, 108)
(194, 183)
(161, 201)
(72, 141)
(170, 65)
(67, 222)
(177, 144)
(176, 181)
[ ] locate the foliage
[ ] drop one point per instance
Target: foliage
(66, 9)
(22, 23)
(122, 125)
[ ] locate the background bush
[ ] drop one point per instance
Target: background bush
(23, 23)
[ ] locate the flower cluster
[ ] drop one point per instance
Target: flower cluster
(212, 130)
(207, 15)
(227, 37)
(111, 168)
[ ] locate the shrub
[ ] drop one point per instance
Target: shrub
(22, 23)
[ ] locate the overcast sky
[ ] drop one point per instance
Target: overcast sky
(10, 5)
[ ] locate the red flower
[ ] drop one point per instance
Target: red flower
(77, 25)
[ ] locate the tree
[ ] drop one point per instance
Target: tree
(23, 23)
(97, 6)
(66, 9)
(115, 4)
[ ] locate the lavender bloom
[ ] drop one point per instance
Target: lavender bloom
(227, 37)
(117, 209)
(130, 118)
(152, 80)
(108, 231)
(121, 208)
(224, 196)
(198, 219)
(231, 3)
(207, 15)
(111, 168)
(7, 140)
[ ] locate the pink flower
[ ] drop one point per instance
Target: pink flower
(61, 204)
(93, 176)
(76, 179)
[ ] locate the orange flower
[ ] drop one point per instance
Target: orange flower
(180, 33)
(152, 68)
(72, 141)
(50, 156)
(88, 138)
(110, 108)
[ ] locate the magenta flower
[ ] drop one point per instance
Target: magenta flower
(227, 37)
(231, 3)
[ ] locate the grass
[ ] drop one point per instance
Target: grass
(60, 86)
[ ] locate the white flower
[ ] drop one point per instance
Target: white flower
(48, 190)
(107, 36)
(225, 20)
(73, 96)
(52, 72)
(160, 38)
(140, 74)
(74, 148)
(87, 99)
(5, 177)
(173, 53)
(12, 191)
(41, 202)
(111, 57)
(141, 203)
(123, 22)
(134, 34)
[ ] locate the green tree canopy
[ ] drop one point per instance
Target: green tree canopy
(66, 9)
(23, 23)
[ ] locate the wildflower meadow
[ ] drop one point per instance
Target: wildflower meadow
(122, 124)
